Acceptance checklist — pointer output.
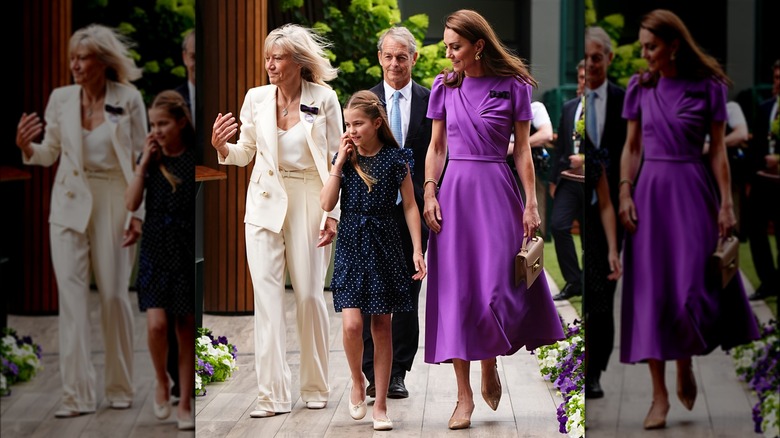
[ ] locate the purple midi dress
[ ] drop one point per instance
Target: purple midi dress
(473, 309)
(669, 311)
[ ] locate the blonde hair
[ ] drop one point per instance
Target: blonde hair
(368, 103)
(173, 103)
(496, 58)
(307, 49)
(111, 48)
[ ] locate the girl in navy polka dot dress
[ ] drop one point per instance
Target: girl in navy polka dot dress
(166, 272)
(370, 275)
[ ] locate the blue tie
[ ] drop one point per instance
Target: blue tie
(591, 119)
(395, 126)
(395, 118)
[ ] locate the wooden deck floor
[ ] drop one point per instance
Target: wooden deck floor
(527, 409)
(723, 405)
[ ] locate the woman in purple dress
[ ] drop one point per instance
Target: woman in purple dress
(474, 311)
(675, 214)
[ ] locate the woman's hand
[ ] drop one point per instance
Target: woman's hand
(29, 127)
(329, 233)
(531, 221)
(614, 266)
(224, 128)
(419, 265)
(431, 209)
(726, 220)
(133, 232)
(627, 213)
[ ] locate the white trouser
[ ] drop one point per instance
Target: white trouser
(73, 253)
(295, 248)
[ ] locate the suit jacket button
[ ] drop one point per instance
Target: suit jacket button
(271, 172)
(70, 195)
(265, 194)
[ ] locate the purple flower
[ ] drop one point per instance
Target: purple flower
(222, 340)
(209, 368)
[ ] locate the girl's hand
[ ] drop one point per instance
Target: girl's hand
(614, 266)
(224, 128)
(726, 221)
(531, 221)
(345, 150)
(152, 151)
(627, 214)
(419, 264)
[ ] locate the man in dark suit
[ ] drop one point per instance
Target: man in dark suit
(603, 149)
(397, 55)
(762, 202)
(567, 197)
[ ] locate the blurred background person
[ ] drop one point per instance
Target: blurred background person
(165, 182)
(603, 144)
(673, 216)
(763, 206)
(95, 128)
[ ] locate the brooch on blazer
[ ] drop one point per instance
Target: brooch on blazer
(114, 112)
(309, 112)
(499, 94)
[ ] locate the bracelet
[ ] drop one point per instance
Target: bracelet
(626, 181)
(335, 174)
(429, 180)
(420, 254)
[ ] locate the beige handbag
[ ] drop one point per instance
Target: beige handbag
(529, 261)
(724, 263)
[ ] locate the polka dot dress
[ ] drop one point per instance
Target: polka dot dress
(369, 271)
(166, 266)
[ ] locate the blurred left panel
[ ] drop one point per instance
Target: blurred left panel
(97, 248)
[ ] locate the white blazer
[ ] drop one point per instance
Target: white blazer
(266, 199)
(71, 198)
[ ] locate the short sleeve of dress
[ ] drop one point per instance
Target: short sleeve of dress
(436, 109)
(718, 96)
(631, 108)
(403, 157)
(521, 102)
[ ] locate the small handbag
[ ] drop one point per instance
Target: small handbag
(529, 261)
(724, 263)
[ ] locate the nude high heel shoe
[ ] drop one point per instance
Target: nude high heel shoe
(656, 419)
(458, 423)
(686, 388)
(492, 397)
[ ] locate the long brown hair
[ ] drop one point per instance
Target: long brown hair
(173, 103)
(368, 102)
(691, 60)
(497, 60)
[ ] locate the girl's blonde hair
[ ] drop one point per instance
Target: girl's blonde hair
(173, 103)
(371, 106)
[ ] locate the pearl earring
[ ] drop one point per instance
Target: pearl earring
(478, 56)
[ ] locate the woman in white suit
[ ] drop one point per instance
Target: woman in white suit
(96, 128)
(292, 129)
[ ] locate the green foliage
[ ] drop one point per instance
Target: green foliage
(628, 57)
(157, 28)
(354, 34)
